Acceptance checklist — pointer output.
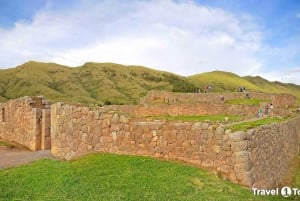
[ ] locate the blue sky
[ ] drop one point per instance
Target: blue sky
(246, 37)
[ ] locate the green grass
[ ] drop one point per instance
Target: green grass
(251, 101)
(253, 124)
(212, 118)
(112, 177)
(6, 144)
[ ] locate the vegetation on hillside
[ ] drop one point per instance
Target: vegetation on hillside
(229, 82)
(222, 81)
(108, 83)
(96, 83)
(112, 177)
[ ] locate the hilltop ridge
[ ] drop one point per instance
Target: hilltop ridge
(110, 83)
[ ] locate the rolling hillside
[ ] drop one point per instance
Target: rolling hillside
(108, 83)
(228, 82)
(96, 83)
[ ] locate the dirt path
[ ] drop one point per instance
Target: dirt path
(11, 157)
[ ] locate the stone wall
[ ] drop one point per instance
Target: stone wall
(21, 121)
(198, 109)
(204, 108)
(78, 130)
(271, 150)
(154, 97)
(163, 103)
(259, 157)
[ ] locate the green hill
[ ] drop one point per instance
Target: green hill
(229, 82)
(109, 83)
(222, 81)
(97, 83)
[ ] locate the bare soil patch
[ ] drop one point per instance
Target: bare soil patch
(12, 154)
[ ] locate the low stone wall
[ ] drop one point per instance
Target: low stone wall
(259, 157)
(78, 130)
(154, 97)
(271, 150)
(21, 121)
(203, 108)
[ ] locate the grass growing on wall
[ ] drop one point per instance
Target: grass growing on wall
(6, 144)
(251, 101)
(253, 124)
(212, 118)
(112, 177)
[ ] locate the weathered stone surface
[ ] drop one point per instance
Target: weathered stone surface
(216, 149)
(237, 136)
(115, 118)
(196, 126)
(26, 121)
(240, 157)
(245, 178)
(219, 133)
(242, 167)
(239, 146)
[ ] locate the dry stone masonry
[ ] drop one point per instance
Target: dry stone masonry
(163, 103)
(156, 97)
(27, 122)
(259, 157)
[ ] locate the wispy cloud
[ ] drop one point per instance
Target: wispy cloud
(178, 36)
(298, 15)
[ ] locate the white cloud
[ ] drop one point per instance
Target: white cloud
(298, 15)
(291, 76)
(182, 37)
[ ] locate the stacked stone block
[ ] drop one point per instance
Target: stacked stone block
(258, 157)
(22, 122)
(158, 97)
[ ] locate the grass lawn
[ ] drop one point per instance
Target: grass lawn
(213, 118)
(252, 124)
(113, 177)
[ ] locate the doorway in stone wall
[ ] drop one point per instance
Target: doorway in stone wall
(43, 121)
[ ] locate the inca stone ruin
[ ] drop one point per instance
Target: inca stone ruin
(258, 157)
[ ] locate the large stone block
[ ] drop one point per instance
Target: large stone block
(245, 179)
(219, 133)
(240, 157)
(242, 167)
(237, 136)
(115, 118)
(196, 126)
(239, 146)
